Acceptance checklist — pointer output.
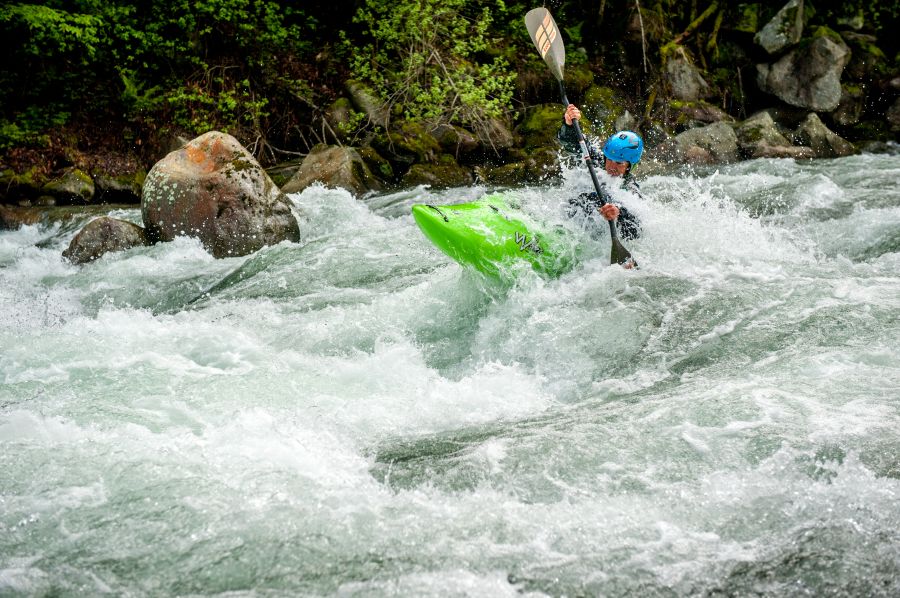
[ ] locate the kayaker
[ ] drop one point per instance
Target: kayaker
(621, 152)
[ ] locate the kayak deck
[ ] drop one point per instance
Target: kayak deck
(488, 235)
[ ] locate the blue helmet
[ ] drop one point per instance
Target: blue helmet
(624, 146)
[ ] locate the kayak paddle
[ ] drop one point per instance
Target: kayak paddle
(548, 41)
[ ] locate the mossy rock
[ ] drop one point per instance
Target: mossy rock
(698, 111)
(579, 78)
(455, 140)
(540, 166)
(445, 173)
(408, 143)
(366, 100)
(867, 60)
(747, 18)
(540, 125)
(123, 188)
(71, 186)
(601, 106)
(510, 174)
(19, 186)
(340, 117)
(379, 166)
(824, 31)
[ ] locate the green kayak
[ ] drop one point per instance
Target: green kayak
(490, 235)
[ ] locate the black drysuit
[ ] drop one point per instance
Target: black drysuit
(587, 203)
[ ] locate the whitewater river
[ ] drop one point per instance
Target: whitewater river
(357, 415)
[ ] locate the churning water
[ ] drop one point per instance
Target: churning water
(357, 415)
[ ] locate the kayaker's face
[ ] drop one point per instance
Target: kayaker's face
(614, 168)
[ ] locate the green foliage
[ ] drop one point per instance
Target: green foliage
(217, 104)
(427, 59)
(136, 98)
(55, 31)
(267, 69)
(27, 129)
(179, 64)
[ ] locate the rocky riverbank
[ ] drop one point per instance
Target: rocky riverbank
(795, 92)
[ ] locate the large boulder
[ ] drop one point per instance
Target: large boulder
(367, 102)
(334, 166)
(823, 141)
(893, 116)
(810, 76)
(407, 143)
(851, 106)
(685, 80)
(101, 236)
(71, 186)
(213, 189)
(784, 30)
(454, 140)
(712, 144)
(758, 135)
(495, 134)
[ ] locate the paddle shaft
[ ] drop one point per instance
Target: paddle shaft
(548, 41)
(587, 159)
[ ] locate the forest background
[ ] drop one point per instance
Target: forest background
(111, 85)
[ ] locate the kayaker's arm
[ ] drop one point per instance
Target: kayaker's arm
(568, 135)
(568, 138)
(628, 223)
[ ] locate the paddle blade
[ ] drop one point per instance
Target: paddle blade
(547, 39)
(620, 255)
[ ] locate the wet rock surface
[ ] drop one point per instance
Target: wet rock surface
(213, 189)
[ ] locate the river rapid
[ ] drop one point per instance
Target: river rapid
(357, 415)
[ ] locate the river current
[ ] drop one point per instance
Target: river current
(357, 415)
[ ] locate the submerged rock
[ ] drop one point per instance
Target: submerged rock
(101, 236)
(334, 166)
(15, 217)
(215, 190)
